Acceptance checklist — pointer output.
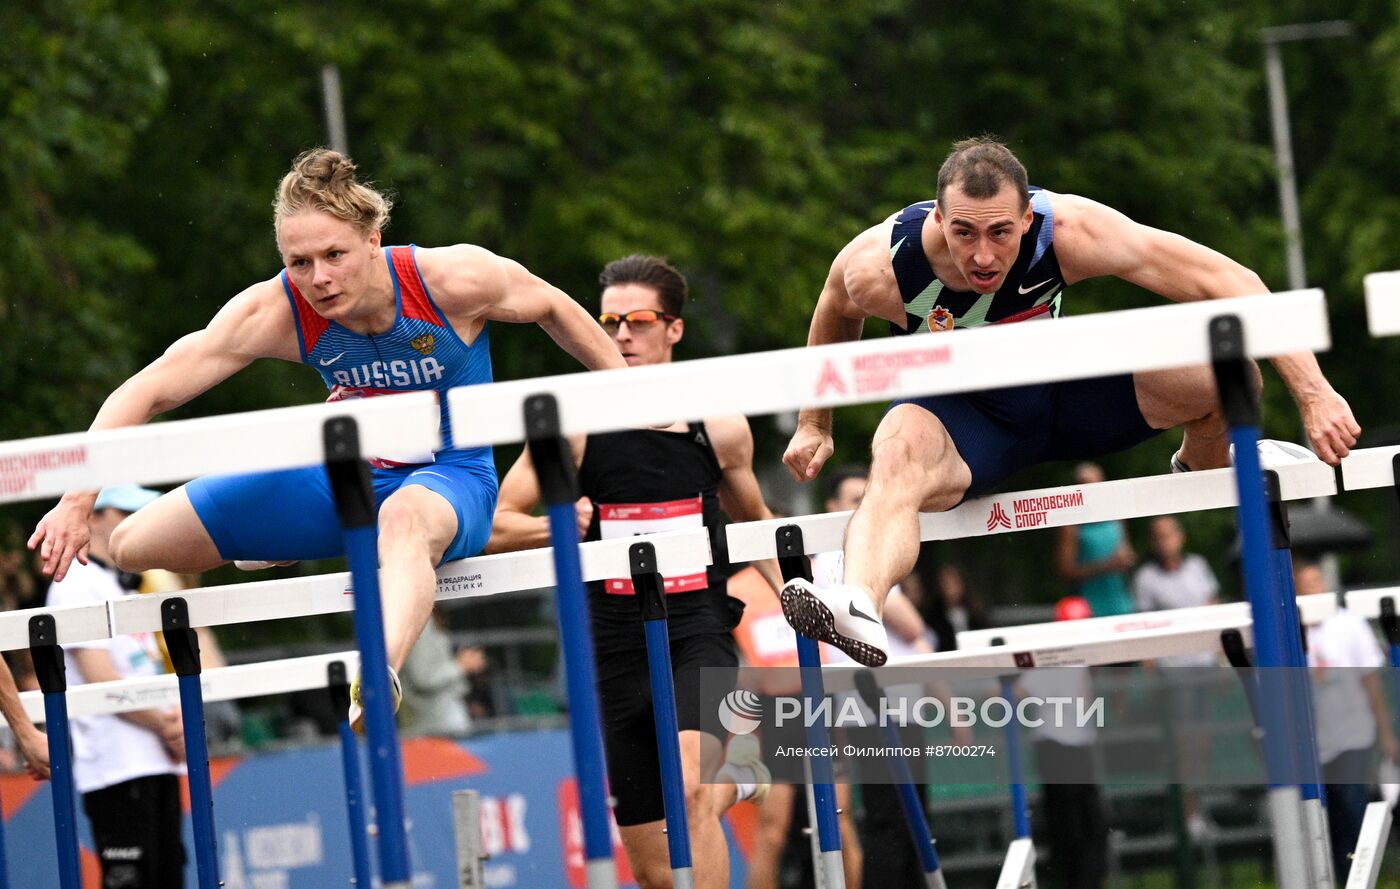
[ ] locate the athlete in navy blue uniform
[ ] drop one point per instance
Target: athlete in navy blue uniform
(993, 250)
(372, 320)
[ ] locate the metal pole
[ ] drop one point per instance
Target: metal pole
(910, 802)
(1276, 704)
(558, 478)
(793, 562)
(50, 672)
(651, 597)
(354, 500)
(334, 104)
(338, 684)
(1283, 156)
(183, 645)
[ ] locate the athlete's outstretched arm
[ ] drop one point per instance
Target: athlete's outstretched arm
(739, 494)
(836, 319)
(515, 525)
(255, 324)
(1092, 239)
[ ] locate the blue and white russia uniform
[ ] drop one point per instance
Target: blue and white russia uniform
(290, 514)
(1000, 431)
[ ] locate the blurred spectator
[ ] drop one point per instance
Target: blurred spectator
(434, 685)
(127, 766)
(952, 609)
(223, 723)
(1095, 558)
(481, 698)
(1351, 715)
(1174, 578)
(1075, 827)
(16, 582)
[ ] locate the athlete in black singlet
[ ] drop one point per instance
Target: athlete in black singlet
(643, 481)
(991, 250)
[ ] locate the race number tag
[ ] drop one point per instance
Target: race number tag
(617, 520)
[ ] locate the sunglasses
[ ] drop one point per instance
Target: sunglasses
(638, 319)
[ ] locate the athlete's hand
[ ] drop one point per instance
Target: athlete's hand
(63, 535)
(807, 453)
(584, 510)
(1331, 428)
(172, 735)
(34, 747)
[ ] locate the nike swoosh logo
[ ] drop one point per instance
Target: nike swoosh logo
(1025, 290)
(851, 607)
(326, 362)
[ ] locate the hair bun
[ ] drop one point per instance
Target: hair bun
(326, 168)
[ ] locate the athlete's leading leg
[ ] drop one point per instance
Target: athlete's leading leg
(416, 525)
(165, 534)
(1187, 397)
(914, 466)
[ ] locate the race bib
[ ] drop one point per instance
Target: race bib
(617, 520)
(386, 461)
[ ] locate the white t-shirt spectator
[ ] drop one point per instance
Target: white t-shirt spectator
(1191, 585)
(1342, 650)
(107, 749)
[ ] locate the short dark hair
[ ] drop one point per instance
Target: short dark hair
(842, 474)
(981, 166)
(652, 271)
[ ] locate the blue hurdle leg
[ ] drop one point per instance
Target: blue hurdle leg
(354, 497)
(49, 670)
(1277, 703)
(651, 597)
(339, 686)
(793, 562)
(183, 645)
(910, 803)
(556, 472)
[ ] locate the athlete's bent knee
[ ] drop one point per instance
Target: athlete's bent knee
(652, 875)
(125, 547)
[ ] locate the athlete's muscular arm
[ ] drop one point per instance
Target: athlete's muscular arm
(515, 526)
(739, 493)
(474, 283)
(1092, 239)
(256, 323)
(848, 297)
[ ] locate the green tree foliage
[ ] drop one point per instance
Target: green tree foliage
(77, 85)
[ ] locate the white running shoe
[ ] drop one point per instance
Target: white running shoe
(1272, 454)
(842, 616)
(255, 565)
(357, 710)
(743, 764)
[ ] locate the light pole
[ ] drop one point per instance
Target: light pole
(1288, 182)
(1283, 139)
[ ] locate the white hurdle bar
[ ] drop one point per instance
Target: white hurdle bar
(1369, 468)
(1383, 303)
(331, 593)
(221, 684)
(1048, 508)
(1084, 346)
(846, 373)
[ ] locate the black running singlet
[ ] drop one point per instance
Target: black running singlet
(643, 481)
